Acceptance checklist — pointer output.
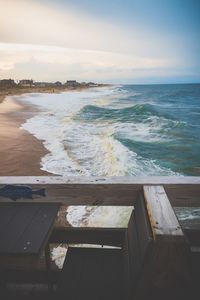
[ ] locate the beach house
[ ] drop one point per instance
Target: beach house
(72, 83)
(26, 82)
(7, 83)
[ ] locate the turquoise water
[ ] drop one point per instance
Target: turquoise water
(129, 130)
(166, 120)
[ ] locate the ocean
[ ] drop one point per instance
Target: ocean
(127, 130)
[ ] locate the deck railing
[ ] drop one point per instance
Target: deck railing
(181, 191)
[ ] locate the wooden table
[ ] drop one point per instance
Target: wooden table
(25, 229)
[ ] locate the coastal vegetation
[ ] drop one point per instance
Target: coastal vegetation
(12, 87)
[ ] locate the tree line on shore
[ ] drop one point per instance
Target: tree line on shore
(29, 83)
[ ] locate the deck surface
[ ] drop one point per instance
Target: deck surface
(92, 274)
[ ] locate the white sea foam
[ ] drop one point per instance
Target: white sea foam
(58, 255)
(145, 132)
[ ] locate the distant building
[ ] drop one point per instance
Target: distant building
(72, 83)
(58, 83)
(92, 84)
(42, 84)
(26, 82)
(7, 83)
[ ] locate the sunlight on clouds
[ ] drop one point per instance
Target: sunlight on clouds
(88, 63)
(33, 22)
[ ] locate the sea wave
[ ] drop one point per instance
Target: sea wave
(90, 149)
(103, 113)
(84, 135)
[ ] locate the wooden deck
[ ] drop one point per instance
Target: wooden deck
(161, 254)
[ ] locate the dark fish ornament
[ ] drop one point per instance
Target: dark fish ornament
(15, 192)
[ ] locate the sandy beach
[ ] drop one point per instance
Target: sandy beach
(20, 152)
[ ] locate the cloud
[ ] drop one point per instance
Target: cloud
(33, 22)
(34, 60)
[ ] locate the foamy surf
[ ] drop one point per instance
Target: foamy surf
(87, 147)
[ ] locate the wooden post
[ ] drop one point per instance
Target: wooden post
(165, 271)
(137, 242)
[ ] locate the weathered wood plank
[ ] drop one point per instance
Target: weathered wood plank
(83, 194)
(143, 227)
(182, 191)
(29, 229)
(99, 236)
(183, 195)
(162, 218)
(14, 229)
(140, 180)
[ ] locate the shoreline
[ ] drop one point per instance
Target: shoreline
(20, 152)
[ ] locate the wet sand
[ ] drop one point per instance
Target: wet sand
(20, 152)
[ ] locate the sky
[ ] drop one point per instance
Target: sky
(111, 41)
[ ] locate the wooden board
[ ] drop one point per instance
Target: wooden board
(162, 218)
(25, 227)
(183, 195)
(182, 191)
(99, 236)
(135, 180)
(137, 242)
